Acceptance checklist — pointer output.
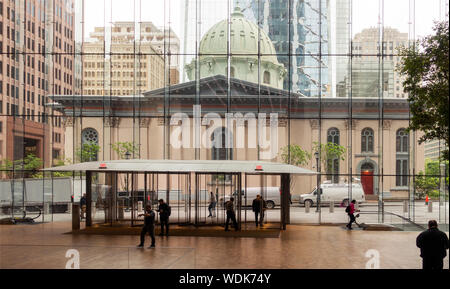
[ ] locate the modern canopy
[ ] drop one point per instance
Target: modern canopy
(185, 166)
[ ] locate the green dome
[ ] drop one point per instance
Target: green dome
(244, 50)
(243, 39)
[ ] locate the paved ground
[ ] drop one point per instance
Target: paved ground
(45, 246)
(369, 214)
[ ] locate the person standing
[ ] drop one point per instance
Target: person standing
(149, 226)
(164, 213)
(83, 206)
(229, 206)
(212, 204)
(258, 207)
(350, 210)
(433, 245)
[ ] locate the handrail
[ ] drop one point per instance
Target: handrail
(401, 217)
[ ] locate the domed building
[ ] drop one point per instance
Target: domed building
(224, 111)
(244, 46)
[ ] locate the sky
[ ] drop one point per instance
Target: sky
(171, 12)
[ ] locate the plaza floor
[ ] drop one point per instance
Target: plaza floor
(45, 245)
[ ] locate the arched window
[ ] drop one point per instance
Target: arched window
(402, 141)
(367, 140)
(266, 78)
(333, 135)
(89, 136)
(219, 145)
(219, 149)
(402, 158)
(333, 164)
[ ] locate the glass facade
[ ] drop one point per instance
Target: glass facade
(247, 80)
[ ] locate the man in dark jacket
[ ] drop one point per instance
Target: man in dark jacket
(258, 207)
(433, 246)
(164, 213)
(149, 226)
(229, 206)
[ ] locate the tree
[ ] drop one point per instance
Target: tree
(428, 183)
(329, 152)
(294, 155)
(425, 69)
(26, 167)
(88, 152)
(121, 148)
(425, 185)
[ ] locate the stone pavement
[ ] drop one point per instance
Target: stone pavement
(301, 246)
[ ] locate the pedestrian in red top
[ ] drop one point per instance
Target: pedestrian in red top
(350, 210)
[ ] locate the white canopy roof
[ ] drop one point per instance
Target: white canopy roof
(186, 166)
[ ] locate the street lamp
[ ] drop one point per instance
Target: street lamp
(316, 155)
(127, 157)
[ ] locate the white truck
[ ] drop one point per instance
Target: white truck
(33, 193)
(272, 196)
(337, 193)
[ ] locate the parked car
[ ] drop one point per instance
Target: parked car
(272, 196)
(337, 193)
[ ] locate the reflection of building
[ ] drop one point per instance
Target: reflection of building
(366, 78)
(319, 28)
(36, 41)
(365, 63)
(131, 68)
(146, 122)
(163, 39)
(433, 149)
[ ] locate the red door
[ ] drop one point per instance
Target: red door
(367, 182)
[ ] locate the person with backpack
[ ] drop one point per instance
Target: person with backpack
(164, 213)
(350, 210)
(149, 226)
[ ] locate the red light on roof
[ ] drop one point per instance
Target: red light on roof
(258, 168)
(102, 166)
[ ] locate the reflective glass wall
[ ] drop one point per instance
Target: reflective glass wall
(313, 83)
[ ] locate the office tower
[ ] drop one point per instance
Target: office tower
(366, 65)
(37, 44)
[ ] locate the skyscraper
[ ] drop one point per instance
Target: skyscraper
(37, 45)
(308, 37)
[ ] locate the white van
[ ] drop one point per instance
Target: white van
(272, 196)
(337, 193)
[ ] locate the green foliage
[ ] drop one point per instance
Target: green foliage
(121, 148)
(425, 69)
(425, 184)
(88, 152)
(298, 156)
(26, 167)
(328, 152)
(428, 183)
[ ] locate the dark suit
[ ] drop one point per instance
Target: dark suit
(164, 218)
(433, 246)
(149, 227)
(258, 206)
